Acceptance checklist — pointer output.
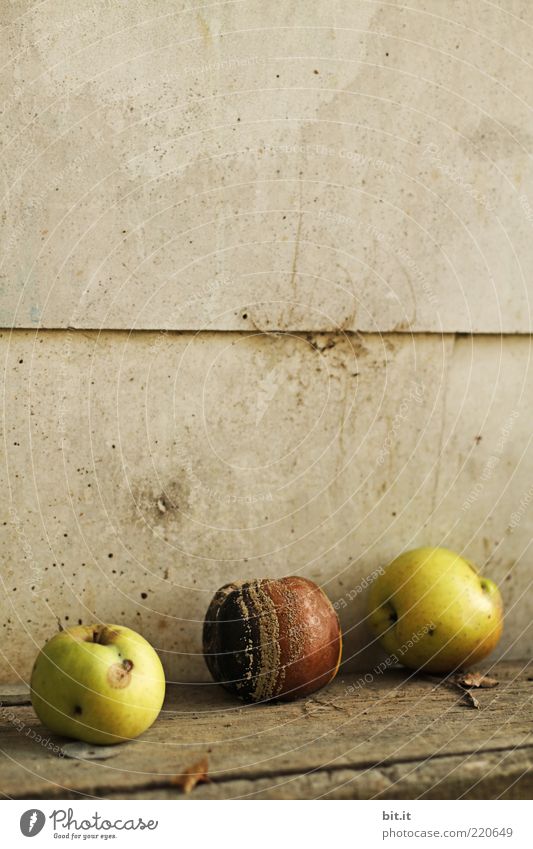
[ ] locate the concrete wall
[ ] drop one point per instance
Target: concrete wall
(265, 281)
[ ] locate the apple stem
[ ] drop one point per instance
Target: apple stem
(99, 635)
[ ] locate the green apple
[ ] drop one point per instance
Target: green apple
(432, 609)
(98, 683)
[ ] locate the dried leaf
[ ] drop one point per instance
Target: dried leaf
(476, 679)
(469, 700)
(463, 681)
(14, 694)
(195, 774)
(88, 752)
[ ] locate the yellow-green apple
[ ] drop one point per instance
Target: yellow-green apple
(432, 609)
(98, 683)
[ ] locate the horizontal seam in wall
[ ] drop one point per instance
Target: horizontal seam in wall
(270, 332)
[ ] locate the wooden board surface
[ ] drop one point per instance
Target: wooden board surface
(394, 735)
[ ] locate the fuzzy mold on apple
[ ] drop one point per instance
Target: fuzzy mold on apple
(268, 639)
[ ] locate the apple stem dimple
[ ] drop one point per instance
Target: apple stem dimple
(391, 611)
(103, 635)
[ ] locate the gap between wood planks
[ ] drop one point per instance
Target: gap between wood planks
(101, 790)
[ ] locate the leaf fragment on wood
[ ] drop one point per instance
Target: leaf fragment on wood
(463, 682)
(475, 679)
(195, 774)
(469, 700)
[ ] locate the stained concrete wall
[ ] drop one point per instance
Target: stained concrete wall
(265, 282)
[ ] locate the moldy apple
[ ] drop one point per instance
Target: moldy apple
(272, 639)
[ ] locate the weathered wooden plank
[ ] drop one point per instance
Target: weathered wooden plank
(392, 723)
(164, 167)
(505, 774)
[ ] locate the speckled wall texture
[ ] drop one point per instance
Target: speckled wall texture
(265, 283)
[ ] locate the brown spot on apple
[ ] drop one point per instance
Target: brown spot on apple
(119, 674)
